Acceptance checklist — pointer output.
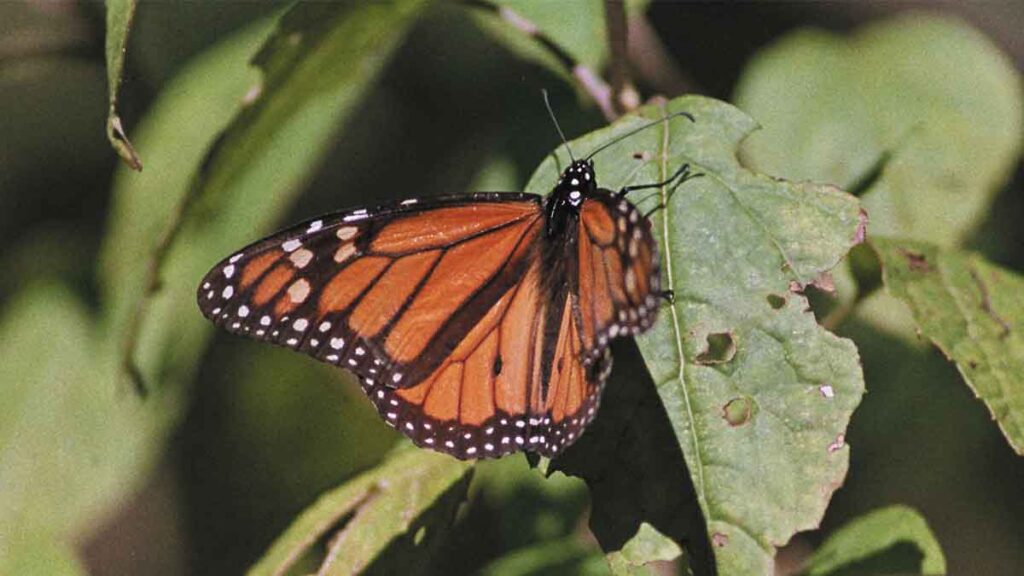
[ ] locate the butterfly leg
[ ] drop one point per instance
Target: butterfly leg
(682, 174)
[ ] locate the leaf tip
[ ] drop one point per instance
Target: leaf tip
(119, 140)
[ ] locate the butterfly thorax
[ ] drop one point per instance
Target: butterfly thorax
(577, 183)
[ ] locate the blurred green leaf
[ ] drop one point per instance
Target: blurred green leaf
(730, 240)
(71, 447)
(120, 14)
(873, 534)
(565, 556)
(410, 498)
(932, 93)
(316, 67)
(174, 136)
(27, 552)
(578, 28)
(972, 310)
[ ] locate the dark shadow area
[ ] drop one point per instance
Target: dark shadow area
(411, 553)
(901, 558)
(631, 461)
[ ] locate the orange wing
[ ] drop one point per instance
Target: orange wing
(507, 386)
(469, 333)
(476, 403)
(618, 286)
(386, 293)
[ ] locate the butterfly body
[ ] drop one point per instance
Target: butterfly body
(479, 325)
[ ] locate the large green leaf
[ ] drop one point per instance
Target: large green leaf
(71, 447)
(757, 394)
(932, 93)
(315, 69)
(28, 552)
(120, 14)
(973, 311)
(860, 546)
(397, 507)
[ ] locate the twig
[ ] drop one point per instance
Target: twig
(591, 83)
(624, 96)
(652, 62)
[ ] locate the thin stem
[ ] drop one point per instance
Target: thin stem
(651, 61)
(590, 82)
(624, 96)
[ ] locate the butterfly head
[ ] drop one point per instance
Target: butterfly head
(578, 181)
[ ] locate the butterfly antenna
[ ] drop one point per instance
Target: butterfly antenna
(640, 129)
(551, 112)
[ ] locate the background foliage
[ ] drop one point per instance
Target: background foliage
(247, 456)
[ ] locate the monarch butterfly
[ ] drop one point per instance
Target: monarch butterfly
(479, 325)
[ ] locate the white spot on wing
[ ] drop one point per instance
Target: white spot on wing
(291, 245)
(344, 252)
(357, 215)
(299, 290)
(301, 257)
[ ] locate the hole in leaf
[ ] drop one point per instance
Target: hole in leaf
(739, 411)
(900, 558)
(721, 349)
(417, 539)
(719, 539)
(776, 301)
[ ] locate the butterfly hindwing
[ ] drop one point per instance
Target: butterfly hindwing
(476, 403)
(618, 280)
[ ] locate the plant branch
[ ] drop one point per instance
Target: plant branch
(590, 82)
(624, 96)
(651, 61)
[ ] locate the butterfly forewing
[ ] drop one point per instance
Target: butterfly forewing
(376, 291)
